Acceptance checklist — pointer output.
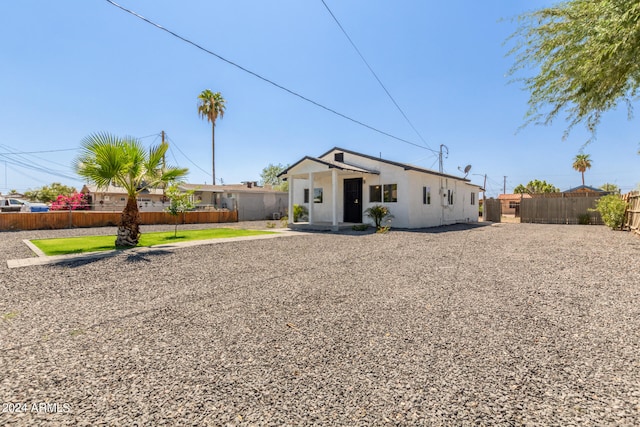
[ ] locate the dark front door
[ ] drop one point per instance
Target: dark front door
(353, 200)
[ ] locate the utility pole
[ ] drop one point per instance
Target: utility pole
(504, 189)
(484, 192)
(164, 160)
(440, 157)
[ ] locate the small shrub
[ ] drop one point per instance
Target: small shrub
(384, 229)
(298, 212)
(180, 202)
(584, 219)
(361, 227)
(611, 209)
(10, 315)
(284, 221)
(378, 213)
(271, 224)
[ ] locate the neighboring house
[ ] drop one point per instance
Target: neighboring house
(587, 190)
(14, 195)
(340, 185)
(510, 203)
(114, 198)
(250, 200)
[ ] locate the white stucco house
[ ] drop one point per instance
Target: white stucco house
(338, 186)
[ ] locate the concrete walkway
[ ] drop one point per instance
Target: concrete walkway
(43, 259)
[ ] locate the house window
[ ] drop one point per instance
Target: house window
(473, 198)
(390, 192)
(375, 193)
(450, 196)
(426, 195)
(317, 195)
(514, 205)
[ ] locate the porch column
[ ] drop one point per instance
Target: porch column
(311, 203)
(334, 196)
(290, 211)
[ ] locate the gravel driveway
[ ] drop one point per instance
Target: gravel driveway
(511, 324)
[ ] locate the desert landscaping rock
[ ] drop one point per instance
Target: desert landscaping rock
(511, 324)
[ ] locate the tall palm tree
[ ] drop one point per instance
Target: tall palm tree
(581, 163)
(106, 159)
(211, 106)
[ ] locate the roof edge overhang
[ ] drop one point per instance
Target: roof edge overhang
(329, 165)
(405, 166)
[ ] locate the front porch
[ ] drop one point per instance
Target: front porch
(322, 226)
(331, 191)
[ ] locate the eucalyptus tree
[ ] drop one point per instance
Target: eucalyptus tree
(536, 187)
(270, 176)
(584, 57)
(611, 188)
(106, 159)
(210, 107)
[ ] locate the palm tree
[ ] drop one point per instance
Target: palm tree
(581, 163)
(106, 159)
(211, 106)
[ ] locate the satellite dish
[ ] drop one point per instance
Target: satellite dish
(465, 170)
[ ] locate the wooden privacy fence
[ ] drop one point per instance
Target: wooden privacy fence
(560, 210)
(632, 215)
(71, 219)
(491, 210)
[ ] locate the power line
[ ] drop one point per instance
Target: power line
(376, 76)
(149, 136)
(317, 104)
(39, 168)
(192, 162)
(38, 152)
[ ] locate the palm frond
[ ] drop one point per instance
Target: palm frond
(106, 159)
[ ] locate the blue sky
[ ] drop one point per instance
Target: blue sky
(71, 68)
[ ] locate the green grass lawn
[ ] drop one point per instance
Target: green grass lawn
(76, 245)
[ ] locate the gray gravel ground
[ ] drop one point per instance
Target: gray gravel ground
(511, 324)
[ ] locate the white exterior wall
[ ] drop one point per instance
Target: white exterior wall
(322, 212)
(439, 213)
(430, 215)
(389, 174)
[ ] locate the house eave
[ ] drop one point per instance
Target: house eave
(404, 166)
(329, 165)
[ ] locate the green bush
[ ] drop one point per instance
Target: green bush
(361, 227)
(378, 213)
(584, 219)
(611, 209)
(299, 211)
